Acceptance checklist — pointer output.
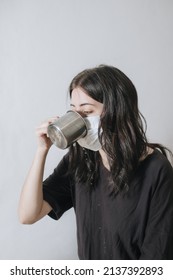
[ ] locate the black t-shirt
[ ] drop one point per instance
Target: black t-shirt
(136, 225)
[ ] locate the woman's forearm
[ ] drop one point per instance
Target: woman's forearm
(31, 199)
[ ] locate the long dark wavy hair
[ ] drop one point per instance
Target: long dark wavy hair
(123, 134)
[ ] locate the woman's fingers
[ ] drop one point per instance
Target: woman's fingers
(41, 133)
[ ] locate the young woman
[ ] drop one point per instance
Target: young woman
(121, 186)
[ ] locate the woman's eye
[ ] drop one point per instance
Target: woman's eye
(87, 112)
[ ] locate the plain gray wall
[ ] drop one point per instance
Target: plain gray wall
(43, 44)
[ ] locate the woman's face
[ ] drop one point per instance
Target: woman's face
(84, 104)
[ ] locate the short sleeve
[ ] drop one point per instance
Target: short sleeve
(158, 241)
(57, 190)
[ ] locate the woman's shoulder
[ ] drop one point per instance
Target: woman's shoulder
(155, 173)
(62, 165)
(157, 162)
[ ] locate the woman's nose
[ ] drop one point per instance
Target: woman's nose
(79, 111)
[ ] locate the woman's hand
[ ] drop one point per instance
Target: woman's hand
(43, 139)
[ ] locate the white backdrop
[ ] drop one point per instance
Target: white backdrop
(43, 44)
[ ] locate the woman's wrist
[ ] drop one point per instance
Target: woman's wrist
(42, 151)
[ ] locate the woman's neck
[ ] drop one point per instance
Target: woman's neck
(104, 159)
